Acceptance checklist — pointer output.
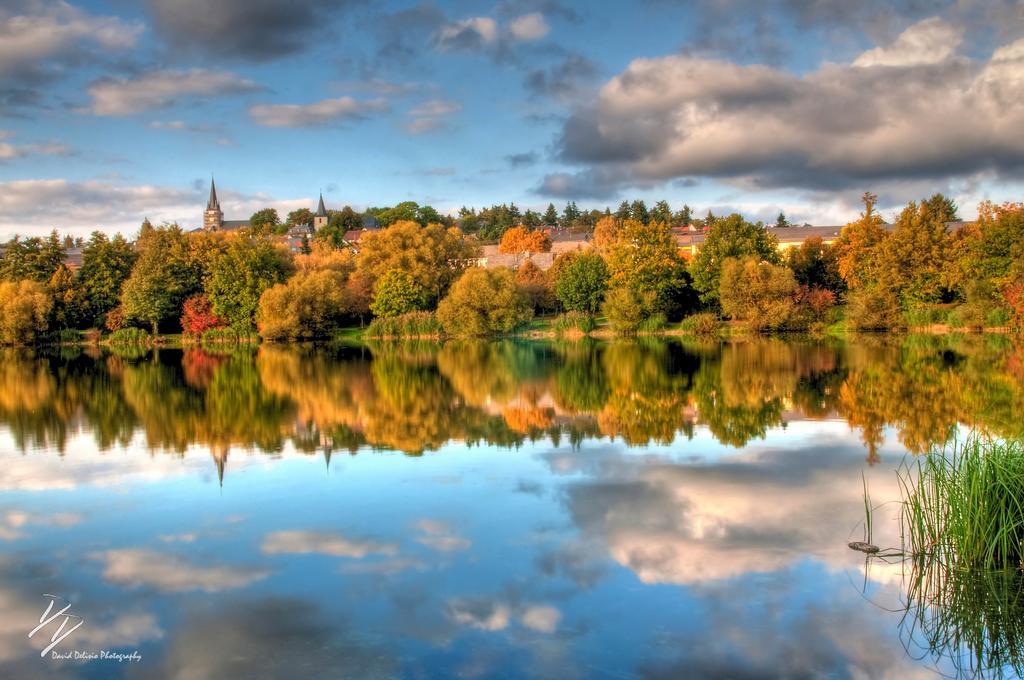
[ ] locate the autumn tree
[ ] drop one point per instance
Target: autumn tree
(535, 285)
(484, 302)
(606, 233)
(397, 293)
(913, 261)
(309, 305)
(727, 237)
(757, 292)
(198, 316)
(24, 311)
(300, 217)
(70, 304)
(581, 283)
(522, 240)
(857, 247)
(433, 255)
(32, 258)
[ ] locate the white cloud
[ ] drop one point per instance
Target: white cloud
(139, 567)
(435, 107)
(10, 151)
(529, 27)
(927, 42)
(160, 89)
(318, 113)
(470, 33)
(35, 206)
(422, 126)
(323, 543)
(841, 126)
(53, 29)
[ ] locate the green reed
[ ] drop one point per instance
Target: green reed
(963, 506)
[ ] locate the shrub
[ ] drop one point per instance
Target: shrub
(130, 336)
(757, 292)
(198, 317)
(925, 315)
(574, 322)
(704, 323)
(24, 311)
(873, 308)
(626, 308)
(535, 285)
(309, 305)
(484, 302)
(69, 336)
(653, 323)
(969, 315)
(997, 317)
(114, 319)
(397, 293)
(408, 325)
(581, 283)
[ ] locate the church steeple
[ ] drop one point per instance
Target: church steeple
(321, 218)
(213, 203)
(213, 218)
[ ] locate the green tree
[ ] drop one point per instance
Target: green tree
(238, 277)
(551, 215)
(727, 237)
(661, 212)
(757, 292)
(484, 302)
(70, 304)
(264, 221)
(164, 275)
(914, 260)
(300, 217)
(397, 293)
(815, 265)
(638, 212)
(781, 222)
(581, 283)
(33, 258)
(106, 265)
(626, 308)
(646, 259)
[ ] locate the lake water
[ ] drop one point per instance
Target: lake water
(510, 509)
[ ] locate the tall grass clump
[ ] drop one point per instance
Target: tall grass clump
(574, 323)
(704, 323)
(409, 325)
(130, 336)
(964, 505)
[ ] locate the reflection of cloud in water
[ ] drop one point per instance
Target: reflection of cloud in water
(300, 542)
(755, 512)
(493, 614)
(135, 567)
(269, 638)
(21, 604)
(14, 523)
(440, 536)
(771, 631)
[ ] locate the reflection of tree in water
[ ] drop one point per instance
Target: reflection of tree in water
(414, 397)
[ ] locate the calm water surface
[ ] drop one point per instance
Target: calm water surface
(634, 509)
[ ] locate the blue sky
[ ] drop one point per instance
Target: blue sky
(111, 111)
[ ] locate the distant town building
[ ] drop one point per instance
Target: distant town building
(213, 217)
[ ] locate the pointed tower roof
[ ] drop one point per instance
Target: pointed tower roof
(213, 203)
(321, 211)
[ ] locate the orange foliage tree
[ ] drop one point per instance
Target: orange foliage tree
(522, 240)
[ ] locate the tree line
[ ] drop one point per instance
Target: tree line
(419, 277)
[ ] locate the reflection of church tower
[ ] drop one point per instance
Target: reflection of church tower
(321, 218)
(220, 459)
(213, 218)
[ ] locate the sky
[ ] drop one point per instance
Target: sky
(112, 111)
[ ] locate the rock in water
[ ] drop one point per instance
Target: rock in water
(863, 547)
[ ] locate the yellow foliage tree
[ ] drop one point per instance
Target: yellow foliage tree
(24, 311)
(523, 240)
